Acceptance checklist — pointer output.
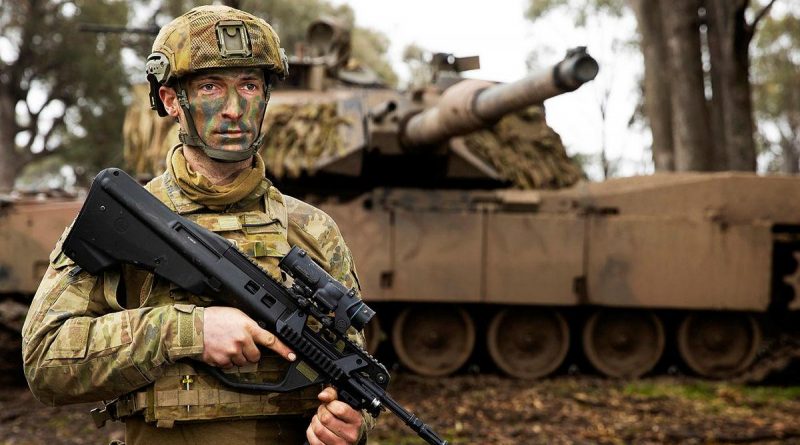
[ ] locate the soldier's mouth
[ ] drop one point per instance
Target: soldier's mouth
(232, 133)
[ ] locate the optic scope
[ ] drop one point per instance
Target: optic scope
(329, 294)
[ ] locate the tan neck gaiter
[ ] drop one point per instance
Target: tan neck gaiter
(249, 185)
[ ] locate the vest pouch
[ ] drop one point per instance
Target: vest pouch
(184, 394)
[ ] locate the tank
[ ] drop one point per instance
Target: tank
(479, 243)
(30, 225)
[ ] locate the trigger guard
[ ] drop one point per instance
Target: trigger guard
(293, 380)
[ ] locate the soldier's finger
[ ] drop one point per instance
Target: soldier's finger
(251, 352)
(269, 340)
(327, 395)
(347, 431)
(324, 434)
(344, 412)
(311, 437)
(239, 359)
(225, 364)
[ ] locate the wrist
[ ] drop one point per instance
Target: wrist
(186, 336)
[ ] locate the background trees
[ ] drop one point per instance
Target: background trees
(697, 91)
(58, 87)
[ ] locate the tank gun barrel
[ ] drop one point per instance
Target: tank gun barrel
(473, 104)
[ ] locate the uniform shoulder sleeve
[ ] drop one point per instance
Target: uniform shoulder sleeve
(79, 344)
(316, 232)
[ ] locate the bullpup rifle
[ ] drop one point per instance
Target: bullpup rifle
(121, 222)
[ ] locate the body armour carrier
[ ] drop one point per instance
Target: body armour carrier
(184, 393)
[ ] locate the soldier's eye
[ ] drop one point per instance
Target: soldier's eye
(250, 87)
(207, 87)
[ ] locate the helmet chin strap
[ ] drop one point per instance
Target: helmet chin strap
(193, 138)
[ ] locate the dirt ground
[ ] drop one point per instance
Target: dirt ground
(489, 409)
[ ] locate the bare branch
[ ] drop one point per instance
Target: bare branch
(57, 123)
(27, 149)
(751, 27)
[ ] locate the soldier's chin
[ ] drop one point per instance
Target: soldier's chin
(238, 146)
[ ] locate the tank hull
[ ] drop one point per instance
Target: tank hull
(653, 255)
(697, 241)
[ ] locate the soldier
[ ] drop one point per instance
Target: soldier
(119, 336)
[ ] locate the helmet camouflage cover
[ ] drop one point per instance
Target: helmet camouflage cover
(210, 37)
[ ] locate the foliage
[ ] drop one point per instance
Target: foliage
(776, 81)
(65, 87)
(581, 10)
(369, 48)
(417, 59)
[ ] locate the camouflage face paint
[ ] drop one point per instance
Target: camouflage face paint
(227, 106)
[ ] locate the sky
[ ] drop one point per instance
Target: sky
(498, 33)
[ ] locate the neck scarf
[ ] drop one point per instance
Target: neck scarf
(249, 185)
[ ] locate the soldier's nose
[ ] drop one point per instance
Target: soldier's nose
(234, 106)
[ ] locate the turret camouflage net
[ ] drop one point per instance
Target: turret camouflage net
(525, 151)
(297, 136)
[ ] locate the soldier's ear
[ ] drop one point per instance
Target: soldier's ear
(169, 98)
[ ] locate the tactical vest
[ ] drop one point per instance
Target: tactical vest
(184, 393)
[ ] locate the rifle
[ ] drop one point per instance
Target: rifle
(121, 222)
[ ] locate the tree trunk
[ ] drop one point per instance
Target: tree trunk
(690, 127)
(719, 154)
(9, 160)
(729, 37)
(790, 152)
(656, 80)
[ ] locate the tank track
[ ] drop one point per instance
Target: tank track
(775, 357)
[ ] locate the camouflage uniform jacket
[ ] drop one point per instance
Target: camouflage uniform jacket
(80, 344)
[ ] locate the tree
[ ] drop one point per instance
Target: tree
(657, 85)
(58, 87)
(690, 126)
(690, 130)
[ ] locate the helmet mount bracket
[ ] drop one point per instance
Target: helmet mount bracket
(233, 39)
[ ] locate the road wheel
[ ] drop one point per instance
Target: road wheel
(433, 340)
(623, 343)
(373, 334)
(717, 344)
(528, 343)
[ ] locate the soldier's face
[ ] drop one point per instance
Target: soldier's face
(227, 106)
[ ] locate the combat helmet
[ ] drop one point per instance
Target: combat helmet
(209, 37)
